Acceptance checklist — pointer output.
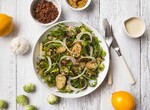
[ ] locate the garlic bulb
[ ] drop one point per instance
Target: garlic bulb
(19, 46)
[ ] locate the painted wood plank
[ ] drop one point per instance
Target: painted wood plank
(145, 57)
(8, 60)
(116, 11)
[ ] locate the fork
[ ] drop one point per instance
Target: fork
(108, 39)
(108, 42)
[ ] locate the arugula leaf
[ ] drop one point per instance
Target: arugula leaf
(59, 31)
(98, 51)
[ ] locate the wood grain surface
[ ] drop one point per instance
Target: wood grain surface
(15, 71)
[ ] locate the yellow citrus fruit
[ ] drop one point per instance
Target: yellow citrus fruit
(122, 100)
(6, 24)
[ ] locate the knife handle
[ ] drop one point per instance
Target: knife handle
(129, 75)
(110, 80)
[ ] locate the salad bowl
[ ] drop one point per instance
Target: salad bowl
(101, 75)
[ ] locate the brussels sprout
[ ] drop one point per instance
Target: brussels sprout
(52, 99)
(3, 104)
(68, 89)
(85, 43)
(29, 107)
(99, 60)
(84, 28)
(103, 53)
(22, 100)
(29, 87)
(55, 70)
(71, 31)
(101, 67)
(92, 82)
(64, 70)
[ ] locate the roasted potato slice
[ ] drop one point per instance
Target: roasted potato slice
(82, 65)
(91, 65)
(60, 81)
(60, 49)
(77, 49)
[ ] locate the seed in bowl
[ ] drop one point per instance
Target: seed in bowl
(45, 11)
(77, 3)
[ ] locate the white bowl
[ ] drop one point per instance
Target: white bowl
(79, 9)
(101, 76)
(128, 34)
(55, 2)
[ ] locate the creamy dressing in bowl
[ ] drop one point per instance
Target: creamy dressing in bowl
(134, 27)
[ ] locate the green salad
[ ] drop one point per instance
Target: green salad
(70, 58)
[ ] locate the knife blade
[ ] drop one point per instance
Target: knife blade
(115, 46)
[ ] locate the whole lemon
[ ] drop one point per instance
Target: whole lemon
(6, 24)
(123, 100)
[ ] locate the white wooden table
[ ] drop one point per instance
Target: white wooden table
(15, 71)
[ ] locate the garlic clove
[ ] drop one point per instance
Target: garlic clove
(19, 46)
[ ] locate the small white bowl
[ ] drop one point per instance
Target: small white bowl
(134, 36)
(55, 2)
(79, 9)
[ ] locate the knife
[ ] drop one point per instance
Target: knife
(115, 46)
(108, 39)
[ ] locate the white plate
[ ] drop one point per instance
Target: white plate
(101, 75)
